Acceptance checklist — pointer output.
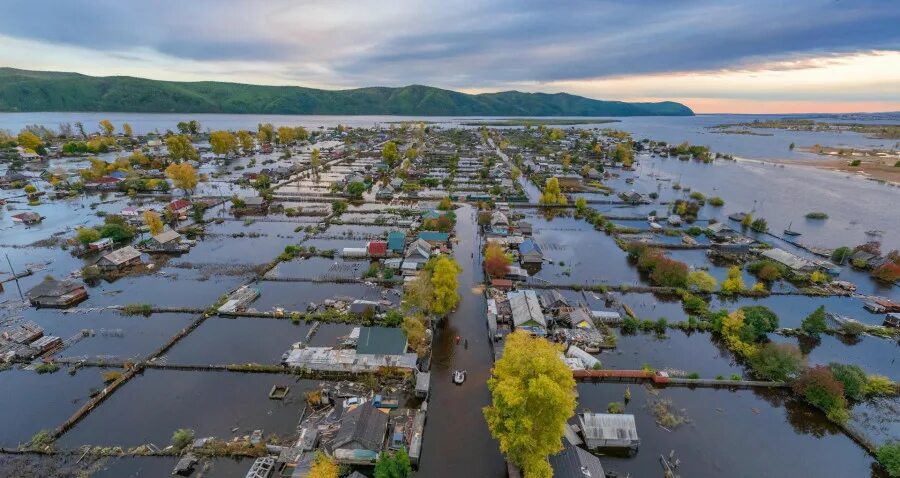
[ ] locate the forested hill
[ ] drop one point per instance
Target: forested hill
(22, 90)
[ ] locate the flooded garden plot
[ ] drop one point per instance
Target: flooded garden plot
(298, 295)
(150, 407)
(43, 261)
(222, 341)
(792, 309)
(779, 436)
(110, 334)
(168, 287)
(875, 355)
(580, 254)
(697, 259)
(31, 402)
(676, 351)
(320, 268)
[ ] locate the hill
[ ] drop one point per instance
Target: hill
(22, 90)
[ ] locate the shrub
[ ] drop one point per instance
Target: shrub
(716, 201)
(111, 376)
(879, 385)
(855, 163)
(615, 407)
(759, 320)
(889, 454)
(820, 389)
(182, 438)
(735, 377)
(49, 367)
(852, 377)
(840, 254)
(693, 376)
(41, 439)
(816, 215)
(887, 272)
(137, 309)
(759, 225)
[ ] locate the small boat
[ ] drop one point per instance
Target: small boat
(789, 232)
(459, 377)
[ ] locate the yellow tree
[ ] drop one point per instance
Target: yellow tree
(444, 282)
(418, 294)
(390, 153)
(265, 133)
(29, 140)
(532, 397)
(315, 161)
(323, 467)
(552, 194)
(734, 282)
(566, 161)
(300, 134)
(285, 135)
(183, 175)
(126, 130)
(181, 148)
(107, 127)
(153, 222)
(246, 140)
(223, 142)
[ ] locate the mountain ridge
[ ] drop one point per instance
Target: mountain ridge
(53, 91)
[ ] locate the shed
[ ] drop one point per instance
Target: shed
(377, 248)
(609, 430)
(423, 384)
(120, 258)
(54, 293)
(354, 252)
(526, 311)
(166, 239)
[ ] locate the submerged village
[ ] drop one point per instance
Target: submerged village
(481, 299)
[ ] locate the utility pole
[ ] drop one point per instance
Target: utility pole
(15, 277)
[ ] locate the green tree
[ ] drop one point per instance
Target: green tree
(315, 160)
(87, 235)
(777, 362)
(356, 189)
(532, 397)
(444, 282)
(395, 465)
(181, 148)
(814, 323)
(852, 377)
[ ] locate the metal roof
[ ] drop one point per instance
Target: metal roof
(609, 426)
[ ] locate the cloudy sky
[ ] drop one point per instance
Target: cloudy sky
(715, 56)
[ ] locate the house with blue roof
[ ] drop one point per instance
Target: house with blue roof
(530, 252)
(434, 237)
(396, 241)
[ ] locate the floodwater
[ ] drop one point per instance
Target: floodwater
(150, 407)
(457, 441)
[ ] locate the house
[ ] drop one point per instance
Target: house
(632, 197)
(569, 181)
(396, 241)
(362, 427)
(576, 462)
(120, 259)
(729, 250)
(359, 306)
(377, 248)
(721, 232)
(419, 252)
(386, 192)
(579, 318)
(27, 217)
(167, 241)
(100, 244)
(892, 320)
(792, 261)
(21, 333)
(609, 430)
(434, 237)
(554, 301)
(54, 293)
(255, 203)
(179, 207)
(106, 183)
(499, 223)
(524, 228)
(381, 341)
(526, 311)
(530, 252)
(606, 316)
(12, 179)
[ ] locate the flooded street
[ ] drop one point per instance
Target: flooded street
(457, 441)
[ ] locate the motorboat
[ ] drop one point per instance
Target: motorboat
(459, 377)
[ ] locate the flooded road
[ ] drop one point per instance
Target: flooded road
(457, 441)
